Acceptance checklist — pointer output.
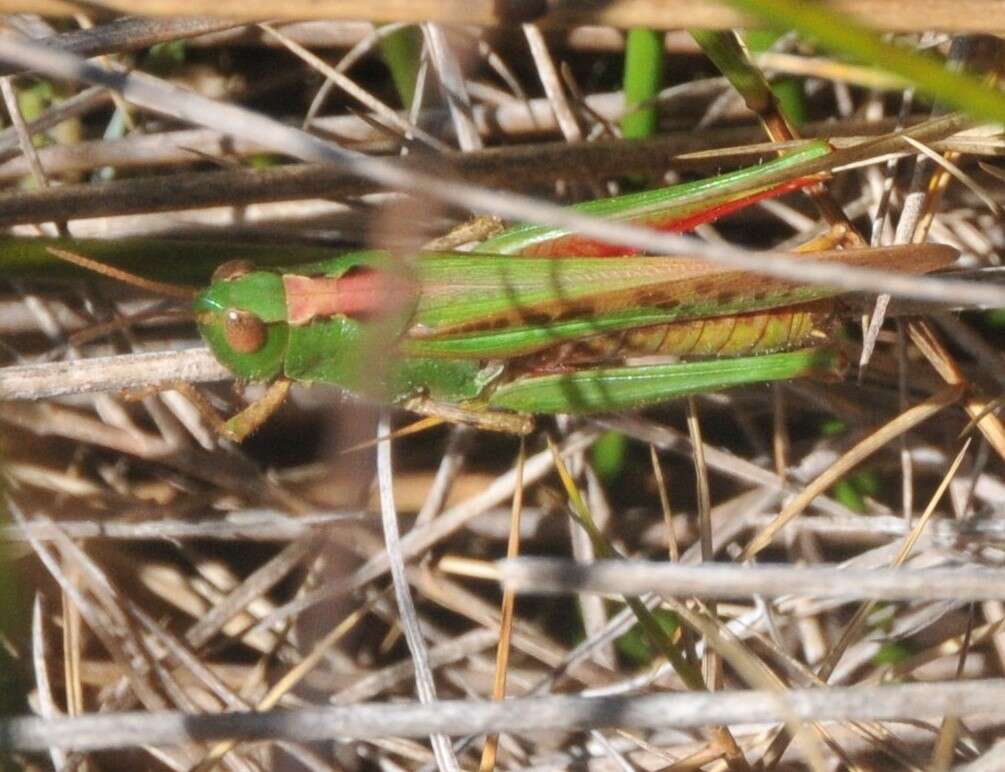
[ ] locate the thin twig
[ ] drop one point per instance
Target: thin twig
(260, 525)
(418, 540)
(132, 371)
(718, 580)
(129, 34)
(462, 717)
(902, 423)
(409, 620)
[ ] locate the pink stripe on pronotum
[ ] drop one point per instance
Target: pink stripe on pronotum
(365, 293)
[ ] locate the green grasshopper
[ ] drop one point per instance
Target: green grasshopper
(537, 321)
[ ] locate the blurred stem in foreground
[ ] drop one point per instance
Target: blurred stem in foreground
(13, 687)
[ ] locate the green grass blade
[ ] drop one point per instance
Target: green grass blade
(841, 34)
(642, 82)
(659, 638)
(402, 53)
(788, 90)
(726, 53)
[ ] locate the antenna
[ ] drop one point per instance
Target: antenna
(151, 285)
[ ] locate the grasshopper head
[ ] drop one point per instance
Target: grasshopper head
(242, 317)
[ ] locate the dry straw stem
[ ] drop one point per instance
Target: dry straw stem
(712, 580)
(741, 145)
(506, 611)
(504, 167)
(423, 538)
(522, 715)
(289, 680)
(877, 440)
(129, 371)
(249, 524)
(947, 15)
(425, 685)
(129, 34)
(666, 438)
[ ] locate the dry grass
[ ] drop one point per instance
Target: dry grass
(947, 15)
(160, 572)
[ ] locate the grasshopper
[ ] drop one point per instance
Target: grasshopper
(537, 320)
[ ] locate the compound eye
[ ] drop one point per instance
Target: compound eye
(233, 269)
(244, 332)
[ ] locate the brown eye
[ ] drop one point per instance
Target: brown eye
(233, 269)
(244, 332)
